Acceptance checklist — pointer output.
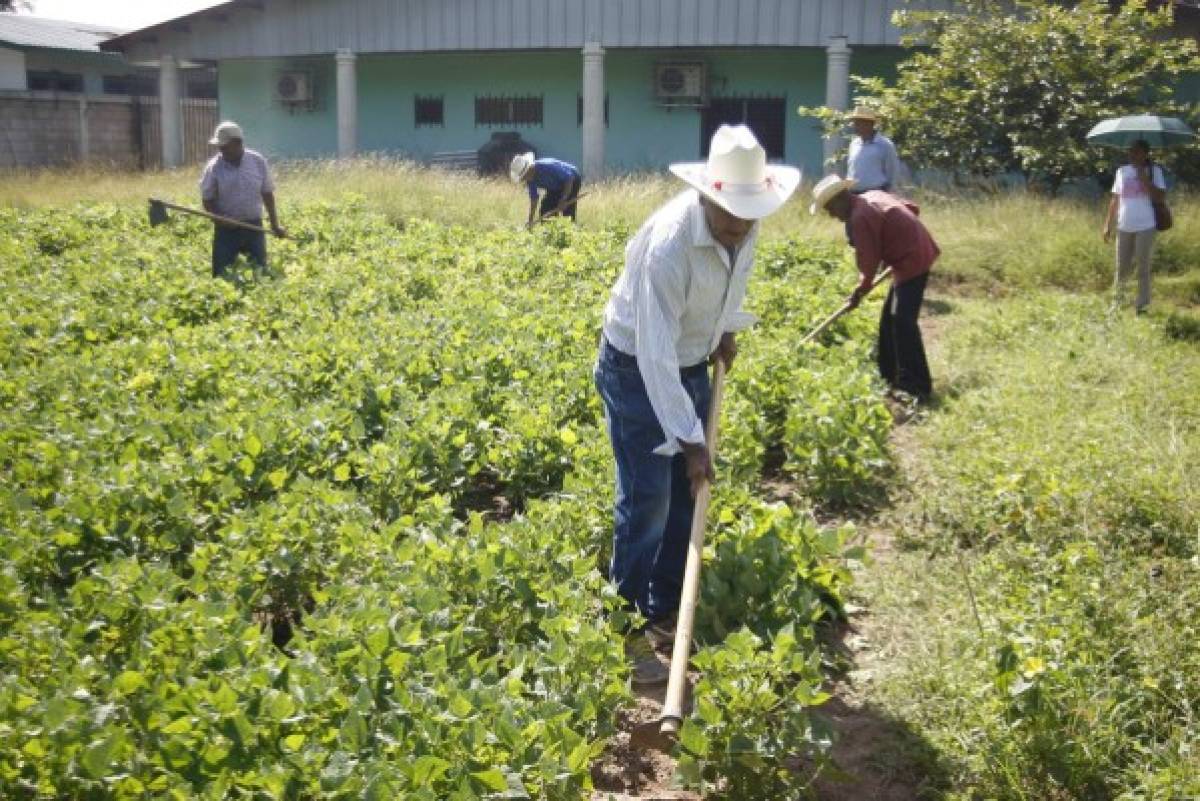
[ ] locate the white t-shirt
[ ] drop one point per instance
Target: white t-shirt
(1135, 212)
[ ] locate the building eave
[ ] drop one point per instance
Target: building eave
(150, 33)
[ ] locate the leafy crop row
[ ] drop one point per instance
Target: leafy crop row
(340, 532)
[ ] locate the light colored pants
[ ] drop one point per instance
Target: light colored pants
(1131, 246)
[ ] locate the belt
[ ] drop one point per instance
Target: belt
(622, 359)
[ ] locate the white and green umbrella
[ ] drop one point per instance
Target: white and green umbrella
(1157, 131)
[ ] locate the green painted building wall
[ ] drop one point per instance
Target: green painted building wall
(246, 93)
(388, 84)
(641, 135)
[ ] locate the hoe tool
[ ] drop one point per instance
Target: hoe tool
(661, 734)
(831, 319)
(158, 215)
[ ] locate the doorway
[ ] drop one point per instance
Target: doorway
(766, 116)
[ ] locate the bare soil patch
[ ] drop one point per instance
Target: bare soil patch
(623, 772)
(878, 756)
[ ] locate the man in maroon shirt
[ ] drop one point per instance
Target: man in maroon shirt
(884, 229)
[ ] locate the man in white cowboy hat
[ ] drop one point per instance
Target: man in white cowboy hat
(885, 230)
(237, 183)
(675, 308)
(872, 162)
(559, 180)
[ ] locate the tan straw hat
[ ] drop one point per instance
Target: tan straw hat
(827, 189)
(864, 113)
(737, 177)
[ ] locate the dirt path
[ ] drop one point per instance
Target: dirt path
(873, 752)
(879, 757)
(625, 773)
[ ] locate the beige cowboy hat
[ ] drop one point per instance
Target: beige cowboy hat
(863, 113)
(737, 177)
(827, 189)
(225, 133)
(521, 164)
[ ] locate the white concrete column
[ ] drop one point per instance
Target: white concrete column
(347, 104)
(171, 112)
(593, 110)
(85, 142)
(837, 88)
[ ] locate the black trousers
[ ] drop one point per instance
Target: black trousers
(901, 352)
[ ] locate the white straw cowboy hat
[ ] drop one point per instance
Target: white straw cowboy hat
(521, 164)
(863, 113)
(737, 177)
(827, 189)
(226, 132)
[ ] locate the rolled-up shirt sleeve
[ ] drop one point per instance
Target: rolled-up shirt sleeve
(739, 321)
(659, 310)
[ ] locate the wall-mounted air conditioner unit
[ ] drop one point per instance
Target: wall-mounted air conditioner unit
(680, 83)
(294, 88)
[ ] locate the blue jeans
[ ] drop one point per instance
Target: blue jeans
(653, 510)
(229, 241)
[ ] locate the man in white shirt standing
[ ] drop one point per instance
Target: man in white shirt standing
(237, 183)
(872, 162)
(676, 307)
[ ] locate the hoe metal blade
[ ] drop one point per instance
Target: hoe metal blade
(660, 734)
(158, 213)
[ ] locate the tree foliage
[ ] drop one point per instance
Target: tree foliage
(1001, 86)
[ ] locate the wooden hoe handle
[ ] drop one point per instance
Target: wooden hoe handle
(831, 319)
(211, 216)
(672, 711)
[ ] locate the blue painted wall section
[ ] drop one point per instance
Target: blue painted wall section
(246, 93)
(641, 134)
(389, 84)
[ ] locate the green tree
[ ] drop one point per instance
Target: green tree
(1002, 86)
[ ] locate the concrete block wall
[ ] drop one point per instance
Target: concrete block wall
(112, 134)
(50, 129)
(38, 130)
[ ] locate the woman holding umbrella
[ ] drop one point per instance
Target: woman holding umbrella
(1138, 186)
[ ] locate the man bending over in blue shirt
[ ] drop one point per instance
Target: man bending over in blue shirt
(558, 179)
